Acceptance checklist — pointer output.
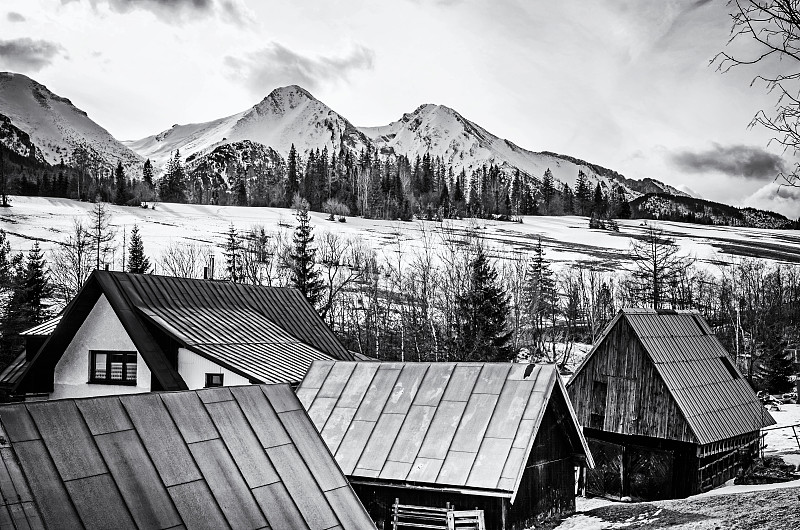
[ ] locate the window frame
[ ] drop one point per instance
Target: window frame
(93, 379)
(210, 376)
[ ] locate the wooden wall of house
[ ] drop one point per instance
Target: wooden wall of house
(547, 488)
(619, 390)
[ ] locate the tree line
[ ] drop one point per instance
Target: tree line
(445, 296)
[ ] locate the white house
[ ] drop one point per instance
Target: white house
(131, 333)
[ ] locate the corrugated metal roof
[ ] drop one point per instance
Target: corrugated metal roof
(464, 425)
(695, 368)
(11, 373)
(43, 329)
(266, 334)
(234, 457)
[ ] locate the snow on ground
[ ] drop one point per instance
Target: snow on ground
(567, 240)
(780, 440)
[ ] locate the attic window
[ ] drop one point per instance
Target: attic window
(213, 380)
(113, 367)
(729, 365)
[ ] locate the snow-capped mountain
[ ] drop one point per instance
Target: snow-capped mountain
(54, 124)
(288, 115)
(443, 132)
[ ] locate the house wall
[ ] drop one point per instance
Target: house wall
(101, 330)
(636, 400)
(547, 487)
(193, 369)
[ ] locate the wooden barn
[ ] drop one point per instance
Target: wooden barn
(498, 438)
(235, 457)
(664, 410)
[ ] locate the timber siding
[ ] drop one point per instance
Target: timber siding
(638, 402)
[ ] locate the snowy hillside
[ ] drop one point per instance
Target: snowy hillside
(287, 115)
(54, 124)
(443, 132)
(566, 240)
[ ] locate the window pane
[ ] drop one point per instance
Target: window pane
(99, 366)
(130, 370)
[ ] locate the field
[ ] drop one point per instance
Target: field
(566, 240)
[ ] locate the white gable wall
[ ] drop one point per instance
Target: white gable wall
(193, 369)
(102, 330)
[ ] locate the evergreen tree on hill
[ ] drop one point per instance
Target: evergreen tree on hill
(293, 180)
(548, 190)
(147, 173)
(303, 271)
(123, 194)
(482, 313)
(138, 262)
(233, 255)
(583, 193)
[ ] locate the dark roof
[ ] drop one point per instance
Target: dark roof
(468, 426)
(238, 457)
(267, 334)
(717, 402)
(11, 373)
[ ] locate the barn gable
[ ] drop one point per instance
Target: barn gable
(664, 374)
(468, 427)
(235, 457)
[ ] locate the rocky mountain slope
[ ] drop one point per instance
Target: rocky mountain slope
(288, 115)
(54, 125)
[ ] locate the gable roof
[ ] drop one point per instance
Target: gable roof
(467, 426)
(12, 373)
(266, 334)
(716, 401)
(226, 457)
(43, 329)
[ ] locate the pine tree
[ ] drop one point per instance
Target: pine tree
(138, 262)
(568, 200)
(583, 193)
(598, 203)
(624, 205)
(482, 314)
(776, 365)
(548, 190)
(539, 298)
(233, 255)
(293, 182)
(123, 194)
(304, 274)
(147, 174)
(172, 187)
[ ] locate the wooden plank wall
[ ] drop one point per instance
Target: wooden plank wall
(547, 488)
(637, 400)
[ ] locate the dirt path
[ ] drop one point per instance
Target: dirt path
(773, 509)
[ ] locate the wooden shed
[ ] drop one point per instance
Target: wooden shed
(234, 457)
(501, 438)
(665, 411)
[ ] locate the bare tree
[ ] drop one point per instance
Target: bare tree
(341, 261)
(774, 27)
(657, 262)
(101, 233)
(71, 263)
(184, 260)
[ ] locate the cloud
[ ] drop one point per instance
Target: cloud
(276, 65)
(28, 54)
(734, 160)
(778, 198)
(232, 11)
(15, 17)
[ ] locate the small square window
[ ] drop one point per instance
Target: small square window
(112, 367)
(213, 380)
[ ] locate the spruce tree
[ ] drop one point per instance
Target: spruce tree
(293, 182)
(482, 313)
(303, 272)
(583, 193)
(123, 194)
(147, 174)
(540, 298)
(598, 204)
(548, 190)
(233, 255)
(138, 262)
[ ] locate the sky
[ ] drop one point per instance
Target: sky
(621, 83)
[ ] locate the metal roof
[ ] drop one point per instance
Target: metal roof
(267, 334)
(43, 329)
(234, 457)
(461, 425)
(717, 402)
(11, 373)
